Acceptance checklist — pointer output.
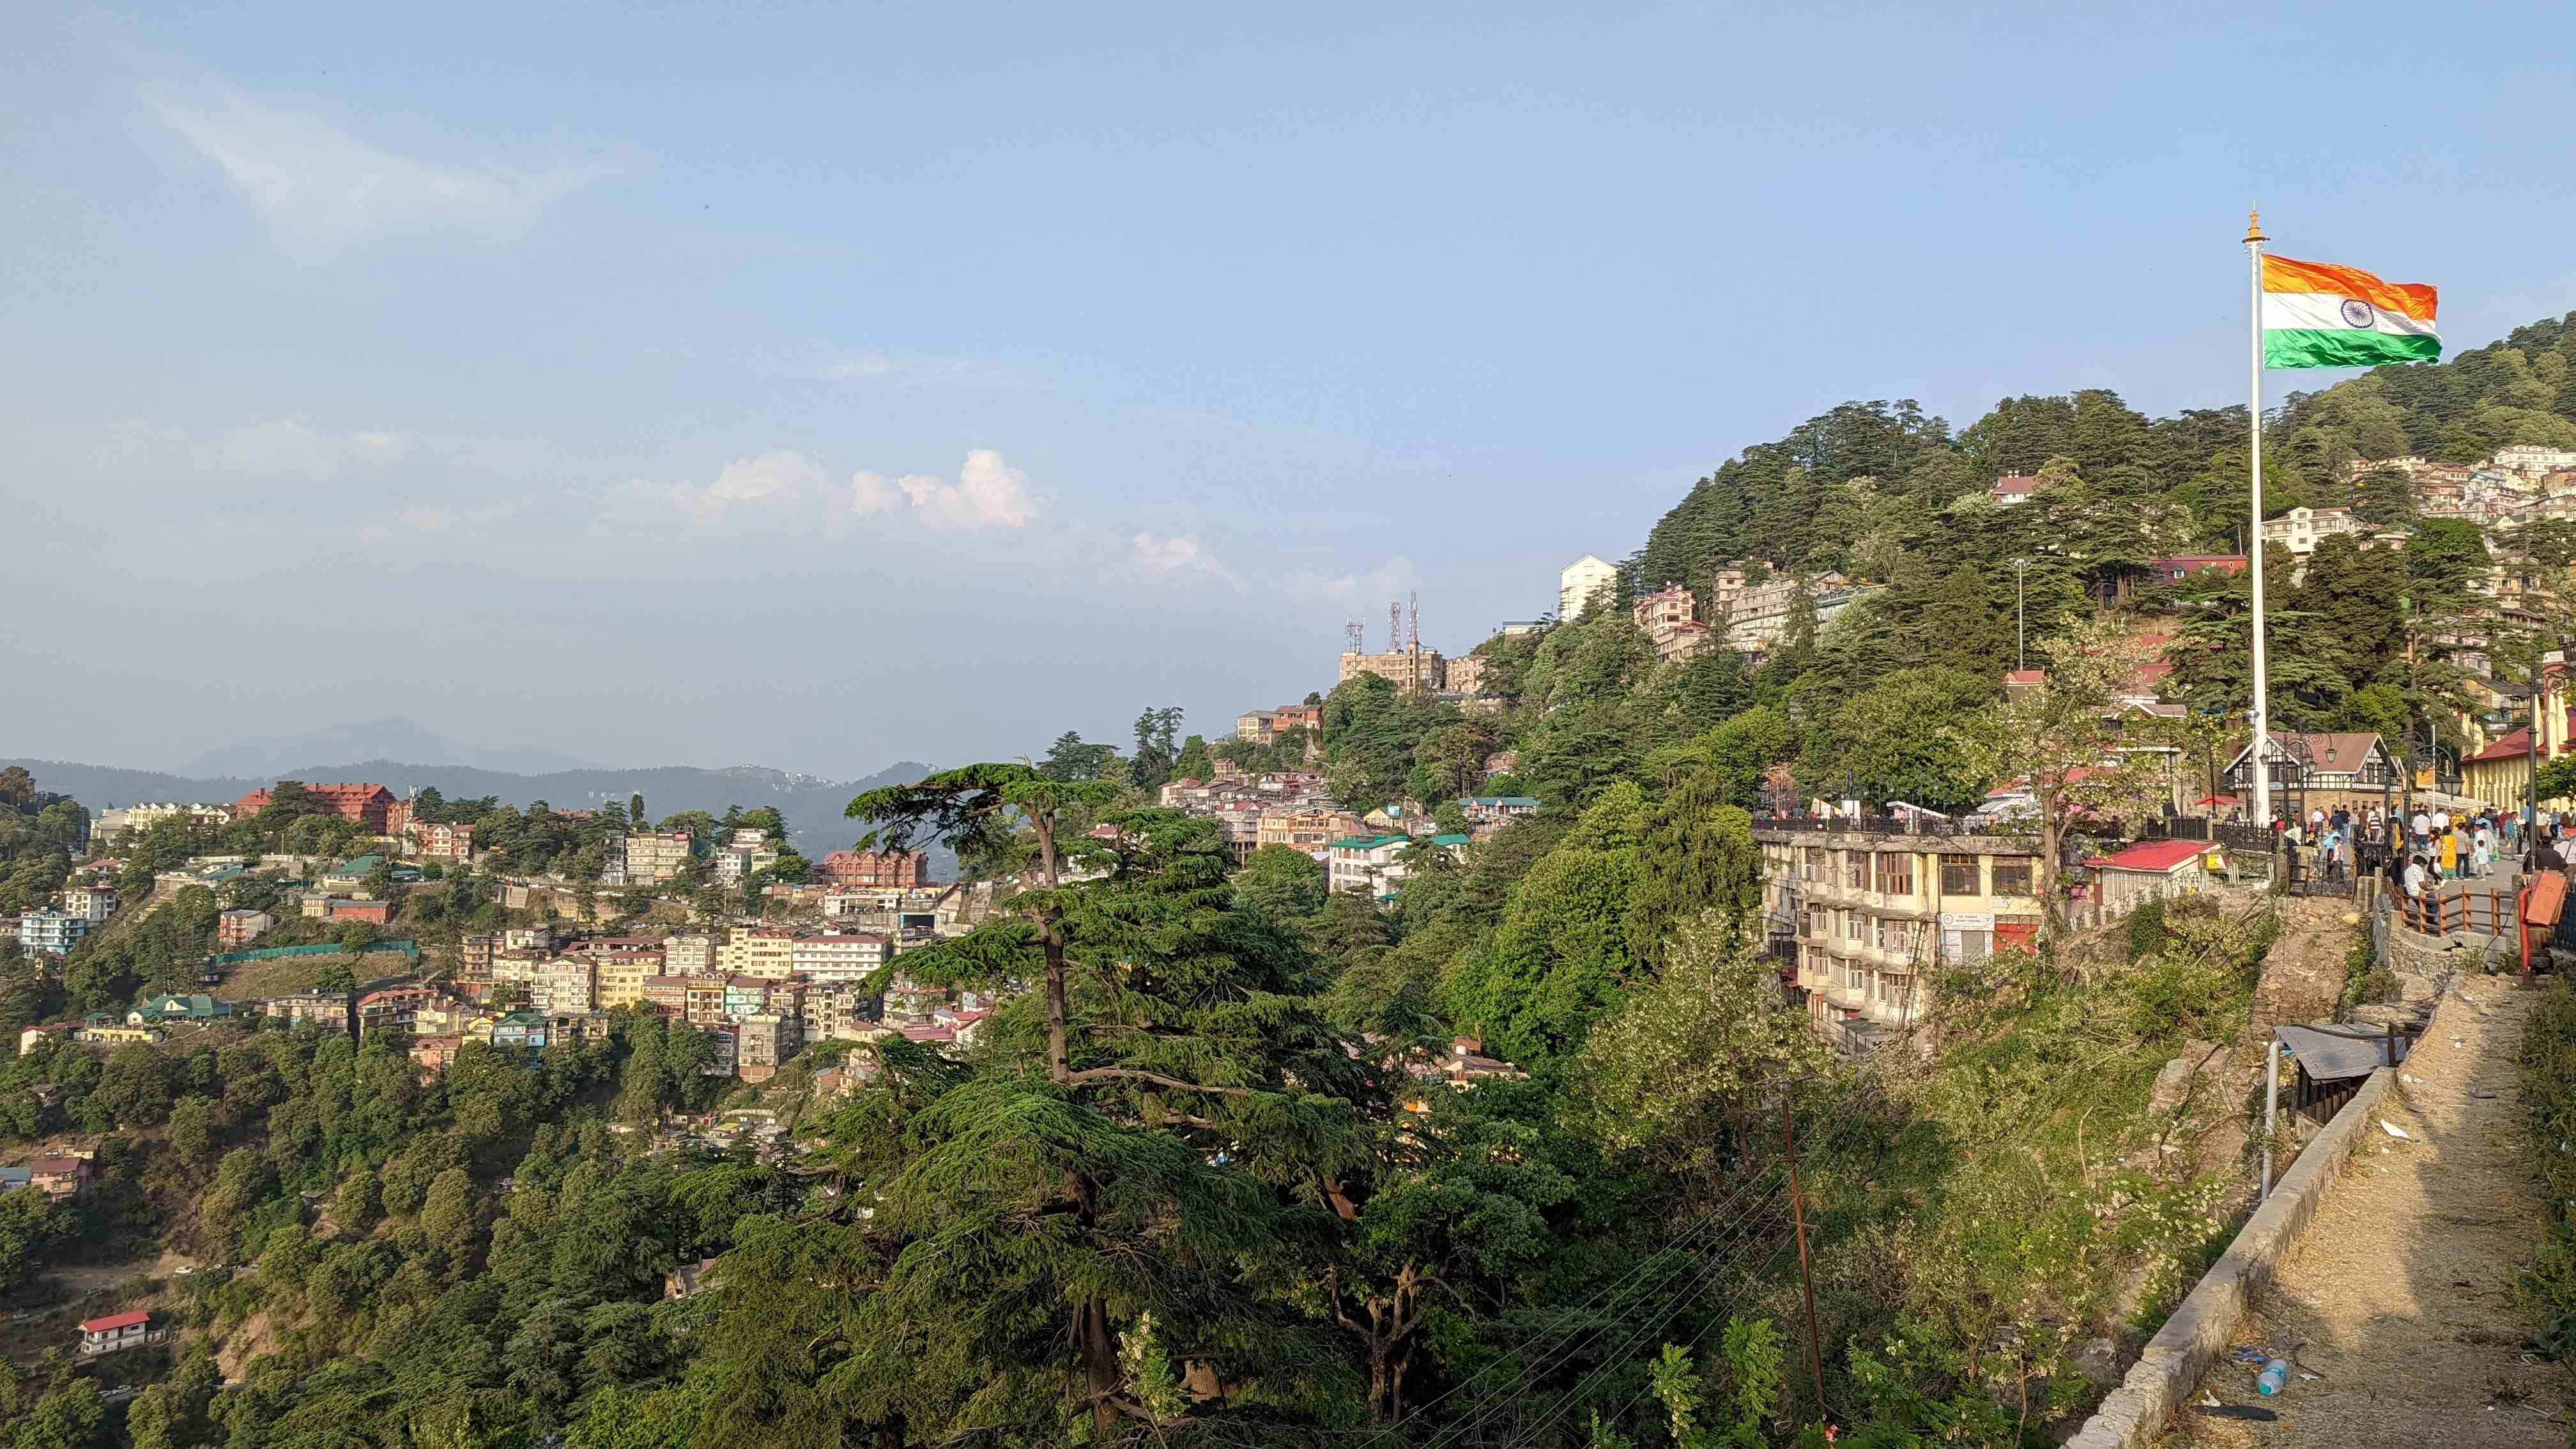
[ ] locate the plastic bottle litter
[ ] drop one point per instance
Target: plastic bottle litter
(2274, 1375)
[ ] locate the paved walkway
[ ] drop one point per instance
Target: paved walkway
(2399, 1296)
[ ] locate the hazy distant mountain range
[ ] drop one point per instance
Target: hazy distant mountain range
(395, 738)
(811, 805)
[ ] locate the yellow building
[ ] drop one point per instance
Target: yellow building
(2500, 774)
(768, 952)
(620, 980)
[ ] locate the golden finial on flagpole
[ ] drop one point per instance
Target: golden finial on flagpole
(2254, 226)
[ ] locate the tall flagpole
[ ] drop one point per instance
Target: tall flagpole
(2261, 717)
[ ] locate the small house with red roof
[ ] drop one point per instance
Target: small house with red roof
(115, 1333)
(2014, 489)
(2147, 871)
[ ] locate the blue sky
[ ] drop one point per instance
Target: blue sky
(820, 386)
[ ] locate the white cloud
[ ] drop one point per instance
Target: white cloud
(1179, 553)
(781, 479)
(874, 493)
(787, 486)
(1391, 579)
(322, 191)
(988, 493)
(286, 448)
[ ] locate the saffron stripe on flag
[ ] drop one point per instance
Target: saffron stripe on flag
(2413, 299)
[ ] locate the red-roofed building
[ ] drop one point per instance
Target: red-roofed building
(2148, 870)
(359, 804)
(115, 1332)
(2014, 488)
(59, 1176)
(2023, 683)
(878, 869)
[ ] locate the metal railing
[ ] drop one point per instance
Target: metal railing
(1893, 825)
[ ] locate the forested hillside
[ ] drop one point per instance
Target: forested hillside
(1885, 494)
(1862, 486)
(1240, 1160)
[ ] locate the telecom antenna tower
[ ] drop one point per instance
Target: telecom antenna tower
(1353, 636)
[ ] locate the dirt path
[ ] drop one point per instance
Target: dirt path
(2400, 1293)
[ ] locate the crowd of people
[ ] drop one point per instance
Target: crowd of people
(2419, 852)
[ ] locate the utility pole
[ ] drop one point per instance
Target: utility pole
(2021, 632)
(1806, 1277)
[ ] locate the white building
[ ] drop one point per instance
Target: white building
(2300, 529)
(1582, 583)
(839, 955)
(111, 823)
(746, 852)
(2533, 458)
(92, 903)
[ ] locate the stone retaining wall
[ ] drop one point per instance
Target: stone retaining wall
(2142, 1407)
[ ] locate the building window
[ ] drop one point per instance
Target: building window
(2012, 877)
(1856, 870)
(1855, 926)
(1895, 873)
(1959, 875)
(1817, 867)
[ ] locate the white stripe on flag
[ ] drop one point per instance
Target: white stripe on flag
(2323, 312)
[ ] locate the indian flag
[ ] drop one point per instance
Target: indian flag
(2317, 315)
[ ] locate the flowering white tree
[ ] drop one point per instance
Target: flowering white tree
(2062, 741)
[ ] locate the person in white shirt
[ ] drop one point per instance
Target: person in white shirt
(2417, 906)
(2421, 826)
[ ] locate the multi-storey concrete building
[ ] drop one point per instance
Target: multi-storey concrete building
(51, 933)
(688, 954)
(832, 1009)
(1865, 917)
(564, 986)
(1415, 671)
(1583, 583)
(235, 929)
(768, 951)
(442, 841)
(763, 1041)
(1672, 604)
(92, 903)
(656, 857)
(328, 1010)
(838, 955)
(618, 980)
(2299, 529)
(746, 852)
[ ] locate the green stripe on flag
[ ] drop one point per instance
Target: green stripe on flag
(2358, 347)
